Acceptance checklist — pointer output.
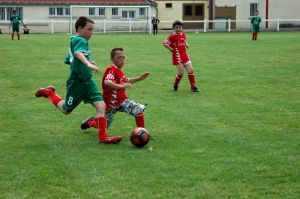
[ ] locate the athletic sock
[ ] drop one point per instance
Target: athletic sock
(101, 126)
(177, 79)
(192, 79)
(139, 120)
(92, 123)
(54, 98)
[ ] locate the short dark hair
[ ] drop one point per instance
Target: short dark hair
(113, 52)
(177, 23)
(82, 21)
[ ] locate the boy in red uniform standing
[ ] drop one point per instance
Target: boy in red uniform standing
(114, 84)
(80, 86)
(177, 45)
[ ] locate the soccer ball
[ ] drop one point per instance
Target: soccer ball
(139, 137)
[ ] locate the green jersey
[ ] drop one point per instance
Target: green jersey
(15, 20)
(255, 21)
(78, 69)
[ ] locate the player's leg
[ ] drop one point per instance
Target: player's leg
(191, 75)
(135, 109)
(18, 32)
(180, 72)
(101, 125)
(49, 92)
(90, 120)
(12, 33)
(93, 96)
(256, 33)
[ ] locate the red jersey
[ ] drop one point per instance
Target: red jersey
(113, 98)
(177, 42)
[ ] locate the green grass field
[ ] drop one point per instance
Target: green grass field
(238, 138)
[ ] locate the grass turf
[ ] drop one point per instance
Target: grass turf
(238, 138)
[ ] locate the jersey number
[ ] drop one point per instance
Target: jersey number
(70, 101)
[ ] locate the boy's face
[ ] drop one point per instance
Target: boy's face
(119, 59)
(87, 31)
(178, 29)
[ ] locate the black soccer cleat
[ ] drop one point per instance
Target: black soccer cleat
(84, 124)
(175, 88)
(195, 90)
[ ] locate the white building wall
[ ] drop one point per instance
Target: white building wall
(282, 9)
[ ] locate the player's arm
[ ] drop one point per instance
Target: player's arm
(22, 22)
(111, 84)
(166, 44)
(79, 55)
(187, 44)
(139, 78)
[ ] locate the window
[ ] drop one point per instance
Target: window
(253, 8)
(199, 10)
(91, 11)
(142, 11)
(168, 5)
(115, 12)
(101, 11)
(59, 11)
(2, 13)
(187, 10)
(6, 12)
(128, 14)
(52, 11)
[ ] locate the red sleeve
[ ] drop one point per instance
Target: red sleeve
(169, 40)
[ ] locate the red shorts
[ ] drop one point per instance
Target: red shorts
(180, 58)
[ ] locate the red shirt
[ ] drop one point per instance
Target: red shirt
(113, 98)
(177, 42)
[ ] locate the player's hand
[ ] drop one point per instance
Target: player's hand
(94, 68)
(187, 45)
(144, 75)
(127, 85)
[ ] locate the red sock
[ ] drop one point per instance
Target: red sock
(92, 123)
(12, 36)
(55, 98)
(177, 80)
(256, 35)
(192, 79)
(139, 120)
(101, 126)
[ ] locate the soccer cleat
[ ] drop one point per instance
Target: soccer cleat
(175, 88)
(45, 92)
(84, 124)
(111, 140)
(195, 90)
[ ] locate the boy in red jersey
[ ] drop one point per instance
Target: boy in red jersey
(114, 84)
(177, 45)
(80, 86)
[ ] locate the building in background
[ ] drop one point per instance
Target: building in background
(39, 13)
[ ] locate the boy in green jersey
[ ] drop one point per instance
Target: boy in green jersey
(14, 23)
(255, 21)
(80, 86)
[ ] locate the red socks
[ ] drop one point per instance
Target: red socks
(139, 120)
(177, 80)
(100, 123)
(54, 98)
(192, 79)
